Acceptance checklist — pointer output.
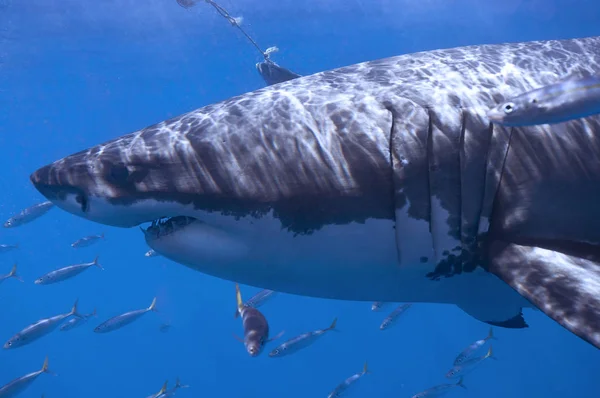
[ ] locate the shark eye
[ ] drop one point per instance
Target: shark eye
(508, 108)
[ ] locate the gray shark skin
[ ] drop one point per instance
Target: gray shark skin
(381, 181)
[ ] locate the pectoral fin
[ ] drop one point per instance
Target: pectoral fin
(508, 317)
(277, 336)
(564, 286)
(238, 338)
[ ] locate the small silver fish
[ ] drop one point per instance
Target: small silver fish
(65, 273)
(376, 306)
(469, 365)
(468, 352)
(299, 342)
(87, 241)
(171, 392)
(393, 316)
(165, 327)
(573, 97)
(77, 321)
(7, 248)
(165, 393)
(256, 327)
(257, 300)
(151, 253)
(19, 385)
(343, 386)
(29, 214)
(440, 390)
(160, 392)
(119, 321)
(39, 329)
(11, 274)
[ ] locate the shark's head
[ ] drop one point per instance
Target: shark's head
(140, 177)
(237, 185)
(99, 185)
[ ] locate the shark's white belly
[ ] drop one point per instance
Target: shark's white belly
(357, 261)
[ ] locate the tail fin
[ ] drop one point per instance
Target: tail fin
(332, 326)
(13, 273)
(460, 383)
(490, 335)
(238, 295)
(164, 388)
(74, 311)
(490, 353)
(153, 306)
(179, 385)
(46, 369)
(97, 264)
(366, 368)
(237, 313)
(102, 235)
(45, 366)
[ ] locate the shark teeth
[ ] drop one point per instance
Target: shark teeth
(166, 225)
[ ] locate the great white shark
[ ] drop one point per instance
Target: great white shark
(380, 181)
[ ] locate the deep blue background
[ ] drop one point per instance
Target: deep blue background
(76, 73)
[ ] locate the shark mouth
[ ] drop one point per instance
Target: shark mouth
(164, 226)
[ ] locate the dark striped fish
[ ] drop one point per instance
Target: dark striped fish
(29, 214)
(299, 342)
(256, 327)
(572, 98)
(391, 319)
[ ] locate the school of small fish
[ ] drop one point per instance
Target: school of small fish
(256, 331)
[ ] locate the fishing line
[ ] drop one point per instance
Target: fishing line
(233, 21)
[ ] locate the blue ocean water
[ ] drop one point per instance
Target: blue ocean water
(74, 74)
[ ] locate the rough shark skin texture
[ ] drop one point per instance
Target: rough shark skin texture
(397, 147)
